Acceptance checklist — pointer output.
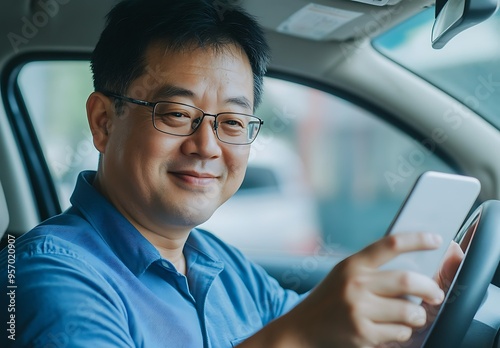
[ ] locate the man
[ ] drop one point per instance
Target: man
(176, 86)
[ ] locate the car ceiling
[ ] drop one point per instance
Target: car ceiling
(76, 25)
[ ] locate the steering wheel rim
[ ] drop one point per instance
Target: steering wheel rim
(469, 287)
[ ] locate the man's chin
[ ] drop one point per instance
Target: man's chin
(194, 217)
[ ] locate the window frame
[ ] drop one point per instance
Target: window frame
(42, 183)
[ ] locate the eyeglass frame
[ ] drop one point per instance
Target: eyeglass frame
(153, 106)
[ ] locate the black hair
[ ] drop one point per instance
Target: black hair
(133, 25)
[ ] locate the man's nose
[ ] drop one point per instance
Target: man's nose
(204, 141)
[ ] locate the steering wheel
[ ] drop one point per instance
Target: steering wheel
(480, 240)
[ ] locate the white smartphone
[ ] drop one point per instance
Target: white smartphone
(438, 203)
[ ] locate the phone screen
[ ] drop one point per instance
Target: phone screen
(438, 203)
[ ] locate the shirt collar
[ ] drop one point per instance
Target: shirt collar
(135, 251)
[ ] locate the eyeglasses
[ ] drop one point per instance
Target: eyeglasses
(183, 120)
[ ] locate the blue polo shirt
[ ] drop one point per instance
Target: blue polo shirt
(88, 278)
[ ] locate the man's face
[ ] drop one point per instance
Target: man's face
(163, 182)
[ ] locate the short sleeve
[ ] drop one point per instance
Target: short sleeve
(60, 301)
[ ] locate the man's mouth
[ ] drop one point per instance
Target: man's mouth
(195, 178)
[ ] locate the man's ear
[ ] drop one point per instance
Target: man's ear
(100, 112)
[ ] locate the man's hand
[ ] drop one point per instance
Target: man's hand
(444, 277)
(452, 259)
(358, 305)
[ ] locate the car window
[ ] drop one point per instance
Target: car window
(55, 93)
(468, 67)
(324, 174)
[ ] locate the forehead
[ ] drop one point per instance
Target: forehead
(162, 62)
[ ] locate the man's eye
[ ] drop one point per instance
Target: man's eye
(172, 114)
(234, 123)
(177, 114)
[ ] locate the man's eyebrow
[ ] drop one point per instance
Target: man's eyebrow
(240, 101)
(169, 91)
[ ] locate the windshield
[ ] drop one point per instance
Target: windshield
(467, 68)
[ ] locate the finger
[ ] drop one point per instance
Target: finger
(389, 247)
(452, 259)
(403, 283)
(396, 311)
(383, 333)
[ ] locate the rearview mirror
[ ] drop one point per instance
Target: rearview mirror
(454, 16)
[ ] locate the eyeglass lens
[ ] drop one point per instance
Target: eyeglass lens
(180, 119)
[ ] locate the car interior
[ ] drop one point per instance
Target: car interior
(4, 213)
(361, 97)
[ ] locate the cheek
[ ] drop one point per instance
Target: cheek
(136, 145)
(238, 165)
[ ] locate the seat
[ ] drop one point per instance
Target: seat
(4, 213)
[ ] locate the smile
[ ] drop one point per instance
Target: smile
(195, 178)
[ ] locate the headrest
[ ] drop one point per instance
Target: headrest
(4, 213)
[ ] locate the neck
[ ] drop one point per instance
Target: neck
(169, 248)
